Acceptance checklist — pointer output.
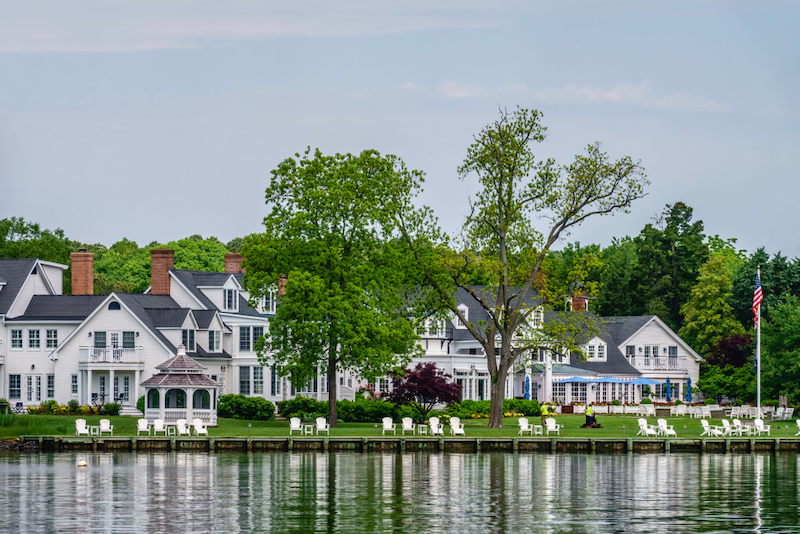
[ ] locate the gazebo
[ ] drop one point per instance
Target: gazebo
(180, 390)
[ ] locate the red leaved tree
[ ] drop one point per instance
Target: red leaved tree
(422, 389)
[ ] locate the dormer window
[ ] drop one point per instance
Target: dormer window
(465, 311)
(231, 301)
(596, 350)
(268, 302)
(537, 317)
(188, 340)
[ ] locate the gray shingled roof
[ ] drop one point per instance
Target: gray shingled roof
(180, 380)
(168, 317)
(614, 330)
(560, 369)
(15, 272)
(181, 362)
(64, 307)
(187, 279)
(204, 318)
(139, 304)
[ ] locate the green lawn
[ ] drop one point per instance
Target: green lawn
(614, 426)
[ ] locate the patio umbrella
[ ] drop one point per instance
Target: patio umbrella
(644, 381)
(689, 390)
(669, 390)
(527, 388)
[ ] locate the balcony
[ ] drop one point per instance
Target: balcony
(92, 355)
(660, 363)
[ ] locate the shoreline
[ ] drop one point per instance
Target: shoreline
(400, 445)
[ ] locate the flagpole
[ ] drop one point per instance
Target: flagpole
(758, 350)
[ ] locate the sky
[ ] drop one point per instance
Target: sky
(157, 120)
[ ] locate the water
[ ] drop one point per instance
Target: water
(353, 492)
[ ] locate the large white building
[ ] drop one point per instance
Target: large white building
(100, 348)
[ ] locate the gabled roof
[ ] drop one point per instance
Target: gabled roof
(181, 362)
(616, 363)
(476, 312)
(634, 325)
(560, 369)
(168, 317)
(60, 307)
(15, 272)
(204, 318)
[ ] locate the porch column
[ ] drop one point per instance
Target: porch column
(162, 394)
(548, 377)
(189, 404)
(136, 378)
(567, 393)
(111, 385)
(88, 387)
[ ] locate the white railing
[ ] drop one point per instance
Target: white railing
(109, 355)
(171, 415)
(660, 362)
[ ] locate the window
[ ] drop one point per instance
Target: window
(113, 306)
(74, 391)
(244, 338)
(214, 340)
(16, 339)
(673, 352)
(650, 350)
(29, 388)
(52, 339)
(128, 340)
(465, 311)
(34, 342)
(630, 351)
(258, 380)
(14, 387)
(596, 350)
(537, 317)
(99, 340)
(258, 331)
(51, 386)
(244, 380)
(230, 299)
(275, 385)
(268, 303)
(188, 340)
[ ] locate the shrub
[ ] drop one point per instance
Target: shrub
(647, 401)
(527, 408)
(678, 402)
(73, 405)
(616, 402)
(241, 407)
(111, 408)
(140, 404)
(86, 410)
(709, 401)
(300, 404)
(365, 411)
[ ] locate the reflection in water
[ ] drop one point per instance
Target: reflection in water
(351, 492)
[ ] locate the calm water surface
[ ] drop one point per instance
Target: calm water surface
(352, 492)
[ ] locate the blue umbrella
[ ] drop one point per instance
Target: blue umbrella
(643, 381)
(527, 388)
(669, 390)
(689, 390)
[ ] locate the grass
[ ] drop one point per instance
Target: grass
(613, 426)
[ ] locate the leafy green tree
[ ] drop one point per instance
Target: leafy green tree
(22, 239)
(573, 267)
(235, 245)
(349, 287)
(198, 254)
(708, 315)
(499, 234)
(779, 278)
(670, 253)
(780, 351)
(620, 261)
(736, 383)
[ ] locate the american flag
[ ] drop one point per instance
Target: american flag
(758, 296)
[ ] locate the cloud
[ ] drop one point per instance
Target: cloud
(626, 93)
(120, 25)
(452, 89)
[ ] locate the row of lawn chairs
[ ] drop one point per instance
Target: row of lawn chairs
(387, 425)
(550, 426)
(661, 428)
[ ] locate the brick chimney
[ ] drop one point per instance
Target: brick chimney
(282, 285)
(233, 263)
(580, 302)
(82, 264)
(161, 261)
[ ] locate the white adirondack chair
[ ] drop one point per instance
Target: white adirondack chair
(456, 427)
(323, 426)
(295, 425)
(142, 426)
(80, 427)
(709, 430)
(664, 429)
(524, 426)
(761, 428)
(778, 413)
(788, 413)
(646, 429)
(728, 429)
(798, 427)
(407, 425)
(740, 429)
(181, 428)
(388, 426)
(199, 427)
(551, 426)
(106, 427)
(436, 428)
(158, 426)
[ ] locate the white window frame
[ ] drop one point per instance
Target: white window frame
(465, 311)
(188, 339)
(51, 386)
(537, 317)
(230, 299)
(16, 339)
(214, 341)
(244, 380)
(258, 380)
(268, 303)
(52, 339)
(14, 385)
(74, 386)
(34, 339)
(245, 340)
(597, 351)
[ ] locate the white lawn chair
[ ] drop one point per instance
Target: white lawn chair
(106, 427)
(788, 413)
(709, 430)
(524, 426)
(798, 427)
(142, 426)
(551, 426)
(323, 426)
(388, 426)
(728, 429)
(80, 427)
(740, 429)
(664, 429)
(158, 426)
(778, 413)
(295, 425)
(456, 427)
(646, 429)
(407, 425)
(436, 428)
(199, 427)
(735, 411)
(761, 428)
(680, 409)
(705, 412)
(182, 428)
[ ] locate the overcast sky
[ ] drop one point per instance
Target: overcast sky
(157, 120)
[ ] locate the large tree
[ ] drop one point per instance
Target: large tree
(422, 388)
(349, 287)
(780, 370)
(500, 234)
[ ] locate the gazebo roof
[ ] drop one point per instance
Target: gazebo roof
(181, 362)
(180, 371)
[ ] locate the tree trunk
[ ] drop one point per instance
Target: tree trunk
(332, 387)
(498, 395)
